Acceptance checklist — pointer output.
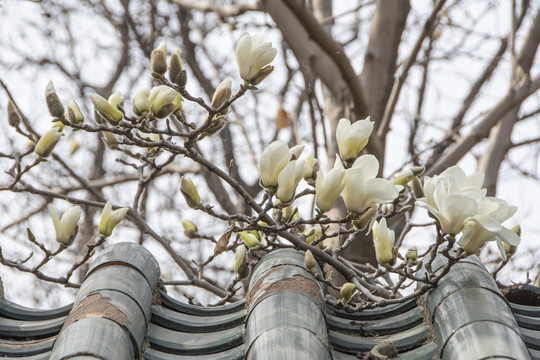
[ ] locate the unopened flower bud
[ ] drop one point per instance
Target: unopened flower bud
(383, 240)
(404, 177)
(116, 100)
(310, 262)
(175, 67)
(312, 166)
(188, 189)
(411, 256)
(73, 113)
(418, 170)
(261, 75)
(418, 190)
(240, 262)
(14, 118)
(56, 109)
(223, 93)
(109, 219)
(250, 240)
(516, 228)
(313, 233)
(346, 292)
(110, 140)
(190, 229)
(365, 218)
(47, 142)
(158, 60)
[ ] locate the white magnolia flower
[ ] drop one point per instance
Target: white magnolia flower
(452, 197)
(486, 226)
(352, 138)
(109, 219)
(383, 239)
(273, 160)
(106, 109)
(66, 227)
(252, 55)
(163, 101)
(289, 178)
(362, 190)
(329, 187)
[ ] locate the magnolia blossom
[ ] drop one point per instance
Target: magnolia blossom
(73, 113)
(106, 109)
(383, 239)
(109, 219)
(486, 226)
(140, 101)
(352, 138)
(452, 197)
(329, 187)
(190, 193)
(250, 239)
(48, 141)
(252, 56)
(66, 227)
(273, 160)
(362, 190)
(163, 100)
(289, 178)
(223, 93)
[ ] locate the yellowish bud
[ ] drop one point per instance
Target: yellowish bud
(240, 262)
(346, 292)
(140, 101)
(189, 191)
(313, 233)
(110, 140)
(403, 178)
(310, 262)
(250, 240)
(47, 142)
(223, 93)
(190, 229)
(74, 145)
(411, 256)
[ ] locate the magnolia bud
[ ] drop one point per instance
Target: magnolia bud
(364, 219)
(418, 190)
(74, 114)
(261, 75)
(383, 240)
(158, 60)
(516, 228)
(418, 170)
(221, 95)
(109, 219)
(14, 118)
(116, 100)
(411, 256)
(312, 166)
(240, 264)
(190, 230)
(403, 178)
(110, 140)
(162, 101)
(313, 233)
(251, 241)
(310, 262)
(53, 102)
(175, 67)
(346, 292)
(47, 142)
(188, 189)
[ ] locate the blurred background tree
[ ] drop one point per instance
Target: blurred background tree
(445, 82)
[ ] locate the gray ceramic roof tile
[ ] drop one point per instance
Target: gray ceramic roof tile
(284, 317)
